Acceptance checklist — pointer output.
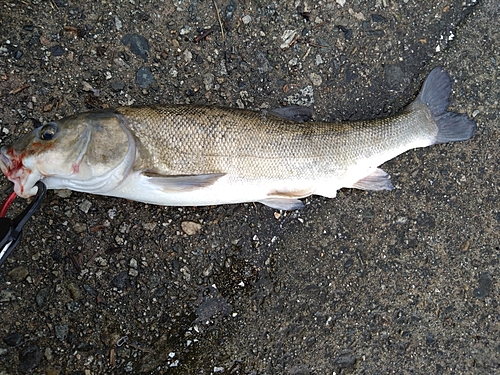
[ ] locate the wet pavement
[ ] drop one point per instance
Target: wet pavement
(367, 283)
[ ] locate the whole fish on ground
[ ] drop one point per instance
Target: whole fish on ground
(186, 155)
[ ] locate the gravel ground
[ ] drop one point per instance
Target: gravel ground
(367, 283)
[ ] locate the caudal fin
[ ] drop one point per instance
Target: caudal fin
(435, 94)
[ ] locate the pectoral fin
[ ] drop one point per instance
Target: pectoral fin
(182, 182)
(378, 180)
(283, 203)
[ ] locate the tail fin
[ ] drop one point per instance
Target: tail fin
(435, 94)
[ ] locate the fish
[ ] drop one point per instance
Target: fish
(196, 155)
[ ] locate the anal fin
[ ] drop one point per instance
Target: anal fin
(182, 182)
(377, 180)
(283, 203)
(295, 113)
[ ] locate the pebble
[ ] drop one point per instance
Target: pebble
(133, 263)
(41, 297)
(118, 23)
(118, 85)
(133, 272)
(208, 81)
(7, 295)
(185, 30)
(246, 19)
(57, 51)
(190, 227)
(73, 306)
(315, 79)
(79, 227)
(29, 358)
(13, 339)
(288, 37)
(85, 206)
(62, 331)
(18, 273)
(63, 193)
(138, 45)
(144, 77)
(345, 360)
(120, 279)
(149, 226)
(74, 291)
(305, 97)
(378, 18)
(484, 287)
(394, 76)
(230, 9)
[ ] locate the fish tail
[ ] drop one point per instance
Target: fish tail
(435, 94)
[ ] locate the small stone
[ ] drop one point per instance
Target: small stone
(429, 339)
(318, 60)
(315, 79)
(138, 45)
(149, 226)
(345, 360)
(144, 77)
(61, 332)
(305, 97)
(394, 76)
(118, 23)
(85, 206)
(208, 80)
(378, 18)
(73, 306)
(288, 37)
(118, 85)
(57, 51)
(7, 295)
(41, 297)
(63, 193)
(133, 272)
(74, 291)
(188, 56)
(185, 30)
(484, 287)
(48, 354)
(29, 358)
(230, 9)
(133, 263)
(13, 339)
(79, 227)
(246, 19)
(119, 280)
(18, 273)
(87, 86)
(190, 227)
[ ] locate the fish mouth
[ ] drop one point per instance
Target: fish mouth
(23, 178)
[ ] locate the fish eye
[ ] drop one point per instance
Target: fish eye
(47, 132)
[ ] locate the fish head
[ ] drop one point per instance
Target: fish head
(75, 149)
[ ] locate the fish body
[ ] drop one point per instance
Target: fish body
(184, 155)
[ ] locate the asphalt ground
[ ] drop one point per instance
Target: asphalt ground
(398, 282)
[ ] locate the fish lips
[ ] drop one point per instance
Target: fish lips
(23, 178)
